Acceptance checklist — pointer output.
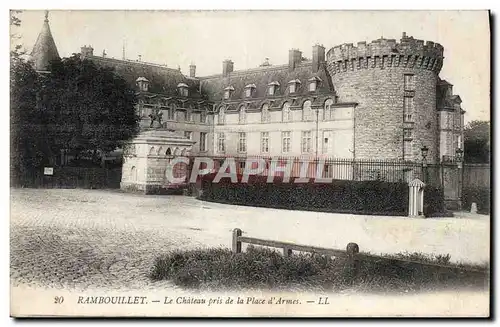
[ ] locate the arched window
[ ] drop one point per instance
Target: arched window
(287, 115)
(265, 113)
(307, 113)
(328, 110)
(133, 174)
(168, 152)
(152, 151)
(222, 116)
(160, 151)
(242, 115)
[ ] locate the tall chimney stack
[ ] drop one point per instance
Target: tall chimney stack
(227, 67)
(294, 58)
(318, 56)
(192, 70)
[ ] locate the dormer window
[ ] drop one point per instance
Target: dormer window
(313, 83)
(249, 90)
(227, 92)
(293, 85)
(272, 87)
(183, 89)
(143, 84)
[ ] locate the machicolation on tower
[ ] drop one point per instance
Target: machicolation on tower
(384, 53)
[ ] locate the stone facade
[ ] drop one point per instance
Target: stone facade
(378, 100)
(395, 87)
(146, 159)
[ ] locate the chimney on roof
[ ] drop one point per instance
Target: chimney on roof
(192, 70)
(318, 56)
(140, 58)
(227, 67)
(404, 35)
(294, 58)
(87, 50)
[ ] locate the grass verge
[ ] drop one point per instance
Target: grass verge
(263, 268)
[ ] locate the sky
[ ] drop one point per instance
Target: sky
(206, 38)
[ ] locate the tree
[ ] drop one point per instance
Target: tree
(477, 142)
(27, 141)
(88, 108)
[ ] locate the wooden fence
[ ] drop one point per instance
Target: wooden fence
(351, 253)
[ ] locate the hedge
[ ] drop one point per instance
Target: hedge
(364, 197)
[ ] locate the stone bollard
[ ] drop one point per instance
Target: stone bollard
(416, 199)
(352, 250)
(473, 207)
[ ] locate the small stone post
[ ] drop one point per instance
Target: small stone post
(473, 207)
(236, 243)
(353, 264)
(416, 198)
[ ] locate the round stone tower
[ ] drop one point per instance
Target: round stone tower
(394, 85)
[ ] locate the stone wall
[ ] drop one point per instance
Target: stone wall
(375, 80)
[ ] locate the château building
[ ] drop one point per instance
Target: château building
(377, 100)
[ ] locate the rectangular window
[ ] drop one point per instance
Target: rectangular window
(203, 141)
(409, 82)
(226, 94)
(242, 117)
(312, 87)
(242, 142)
(407, 133)
(203, 117)
(241, 167)
(248, 92)
(285, 142)
(270, 91)
(189, 115)
(170, 114)
(292, 88)
(264, 142)
(327, 141)
(180, 116)
(408, 109)
(408, 155)
(221, 143)
(188, 134)
(306, 141)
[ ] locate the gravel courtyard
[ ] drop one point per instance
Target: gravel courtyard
(106, 239)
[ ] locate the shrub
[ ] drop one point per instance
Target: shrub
(434, 205)
(262, 268)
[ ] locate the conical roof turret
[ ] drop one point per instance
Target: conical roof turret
(45, 49)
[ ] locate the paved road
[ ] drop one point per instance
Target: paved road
(78, 239)
(104, 239)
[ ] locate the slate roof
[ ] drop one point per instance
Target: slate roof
(214, 86)
(162, 80)
(45, 49)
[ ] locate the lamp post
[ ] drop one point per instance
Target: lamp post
(459, 155)
(424, 151)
